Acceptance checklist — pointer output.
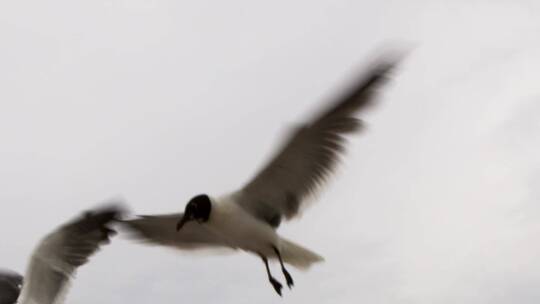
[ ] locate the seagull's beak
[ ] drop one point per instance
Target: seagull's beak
(182, 222)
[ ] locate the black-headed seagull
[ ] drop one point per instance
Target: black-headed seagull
(247, 219)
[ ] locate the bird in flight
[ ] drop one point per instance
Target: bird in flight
(57, 257)
(10, 286)
(247, 219)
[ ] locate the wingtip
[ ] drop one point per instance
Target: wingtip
(387, 61)
(115, 210)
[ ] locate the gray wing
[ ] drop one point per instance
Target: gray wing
(310, 154)
(10, 286)
(161, 230)
(59, 254)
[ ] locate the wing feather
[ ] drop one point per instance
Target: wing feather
(59, 254)
(310, 154)
(161, 230)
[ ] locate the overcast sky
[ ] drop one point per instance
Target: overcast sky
(154, 101)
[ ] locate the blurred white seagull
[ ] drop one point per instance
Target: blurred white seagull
(57, 257)
(247, 219)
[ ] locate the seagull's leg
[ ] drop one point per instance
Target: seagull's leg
(275, 283)
(288, 277)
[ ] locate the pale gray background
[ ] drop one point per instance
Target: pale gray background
(155, 101)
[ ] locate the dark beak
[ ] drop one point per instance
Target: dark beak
(186, 218)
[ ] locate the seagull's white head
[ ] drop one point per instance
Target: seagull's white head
(198, 209)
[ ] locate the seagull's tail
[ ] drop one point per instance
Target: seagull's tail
(298, 256)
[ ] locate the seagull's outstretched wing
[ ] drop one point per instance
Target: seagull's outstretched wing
(161, 230)
(10, 286)
(310, 153)
(56, 258)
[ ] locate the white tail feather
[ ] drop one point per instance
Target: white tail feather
(297, 255)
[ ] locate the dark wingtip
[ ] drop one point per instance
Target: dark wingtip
(100, 218)
(358, 94)
(110, 211)
(385, 62)
(383, 66)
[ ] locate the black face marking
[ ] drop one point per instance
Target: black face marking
(199, 208)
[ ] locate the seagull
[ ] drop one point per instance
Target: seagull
(247, 219)
(10, 286)
(57, 257)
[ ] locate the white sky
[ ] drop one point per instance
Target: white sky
(156, 101)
